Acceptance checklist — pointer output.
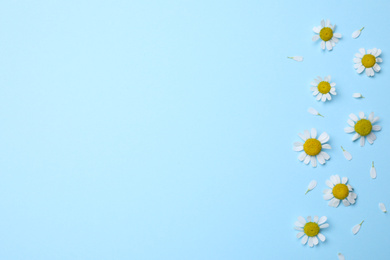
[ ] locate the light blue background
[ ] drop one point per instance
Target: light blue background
(164, 129)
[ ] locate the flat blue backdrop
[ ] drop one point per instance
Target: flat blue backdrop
(164, 129)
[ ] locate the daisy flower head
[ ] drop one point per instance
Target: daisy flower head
(326, 34)
(363, 128)
(368, 61)
(309, 230)
(323, 88)
(312, 147)
(339, 191)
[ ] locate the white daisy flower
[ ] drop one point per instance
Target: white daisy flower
(326, 34)
(323, 88)
(312, 147)
(363, 127)
(339, 191)
(310, 229)
(368, 61)
(296, 58)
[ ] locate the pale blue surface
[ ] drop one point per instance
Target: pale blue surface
(164, 129)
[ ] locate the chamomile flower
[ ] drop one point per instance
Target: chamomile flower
(323, 88)
(310, 229)
(326, 34)
(363, 127)
(368, 61)
(339, 191)
(312, 147)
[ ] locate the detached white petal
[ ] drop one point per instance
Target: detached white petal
(314, 112)
(341, 256)
(357, 95)
(356, 34)
(382, 207)
(373, 171)
(296, 58)
(311, 186)
(347, 155)
(356, 228)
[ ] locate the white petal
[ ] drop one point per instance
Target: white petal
(323, 98)
(376, 127)
(323, 45)
(313, 133)
(307, 159)
(323, 138)
(298, 228)
(376, 67)
(328, 97)
(376, 119)
(334, 203)
(362, 140)
(326, 225)
(302, 156)
(300, 234)
(362, 51)
(335, 179)
(370, 139)
(319, 96)
(356, 229)
(327, 23)
(322, 220)
(329, 45)
(312, 111)
(326, 146)
(297, 143)
(356, 34)
(308, 218)
(313, 161)
(306, 133)
(378, 52)
(328, 196)
(310, 243)
(382, 207)
(316, 29)
(347, 155)
(315, 38)
(379, 60)
(373, 171)
(346, 202)
(327, 78)
(315, 241)
(359, 55)
(357, 60)
(349, 129)
(350, 122)
(369, 72)
(341, 257)
(320, 158)
(298, 148)
(357, 95)
(299, 224)
(337, 35)
(321, 237)
(350, 187)
(325, 155)
(304, 239)
(360, 69)
(312, 185)
(355, 137)
(372, 136)
(344, 180)
(329, 184)
(322, 23)
(297, 58)
(327, 191)
(315, 219)
(361, 115)
(302, 220)
(353, 117)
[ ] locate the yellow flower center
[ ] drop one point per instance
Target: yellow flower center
(340, 191)
(312, 146)
(311, 229)
(363, 127)
(368, 60)
(323, 87)
(326, 34)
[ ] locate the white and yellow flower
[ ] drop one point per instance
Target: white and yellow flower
(310, 229)
(312, 148)
(326, 34)
(368, 61)
(363, 127)
(323, 88)
(339, 191)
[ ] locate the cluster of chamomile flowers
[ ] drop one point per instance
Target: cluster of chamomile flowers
(313, 146)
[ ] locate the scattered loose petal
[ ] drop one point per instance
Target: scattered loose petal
(356, 34)
(314, 112)
(373, 171)
(347, 155)
(341, 256)
(357, 95)
(296, 58)
(382, 207)
(312, 185)
(356, 228)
